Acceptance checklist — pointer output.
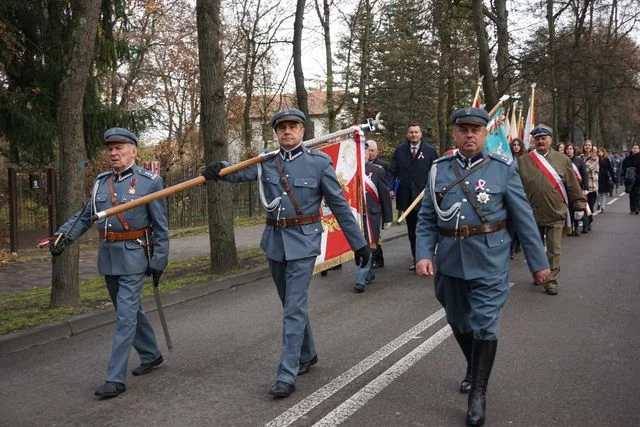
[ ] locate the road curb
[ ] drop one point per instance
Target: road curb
(43, 334)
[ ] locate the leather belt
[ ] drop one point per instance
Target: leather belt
(293, 220)
(470, 230)
(117, 236)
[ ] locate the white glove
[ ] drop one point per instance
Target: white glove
(577, 215)
(386, 226)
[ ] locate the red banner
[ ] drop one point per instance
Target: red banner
(348, 158)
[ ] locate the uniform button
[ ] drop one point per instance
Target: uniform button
(444, 188)
(501, 241)
(287, 175)
(115, 194)
(316, 230)
(284, 193)
(305, 183)
(110, 225)
(281, 209)
(466, 183)
(463, 217)
(464, 200)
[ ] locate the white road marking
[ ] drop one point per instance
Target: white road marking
(612, 201)
(301, 408)
(368, 392)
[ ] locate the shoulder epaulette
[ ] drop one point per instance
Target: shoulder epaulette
(146, 173)
(316, 152)
(443, 158)
(103, 174)
(504, 159)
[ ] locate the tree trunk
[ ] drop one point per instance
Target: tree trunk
(445, 61)
(325, 16)
(213, 133)
(248, 77)
(552, 62)
(502, 58)
(365, 61)
(298, 75)
(65, 280)
(484, 59)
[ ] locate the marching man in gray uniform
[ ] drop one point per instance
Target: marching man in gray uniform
(132, 244)
(292, 184)
(468, 200)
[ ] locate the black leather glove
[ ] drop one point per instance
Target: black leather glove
(212, 172)
(362, 256)
(57, 244)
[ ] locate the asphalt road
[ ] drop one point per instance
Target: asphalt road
(386, 357)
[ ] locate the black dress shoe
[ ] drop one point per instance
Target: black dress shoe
(145, 368)
(412, 268)
(305, 367)
(282, 389)
(110, 389)
(358, 288)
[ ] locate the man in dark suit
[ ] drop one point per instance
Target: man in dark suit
(410, 164)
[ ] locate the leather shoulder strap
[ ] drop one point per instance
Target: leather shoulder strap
(285, 184)
(114, 201)
(460, 178)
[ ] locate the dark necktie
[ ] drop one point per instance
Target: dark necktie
(414, 149)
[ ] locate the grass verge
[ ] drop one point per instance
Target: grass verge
(27, 309)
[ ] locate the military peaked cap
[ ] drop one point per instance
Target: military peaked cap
(120, 135)
(288, 115)
(541, 130)
(470, 116)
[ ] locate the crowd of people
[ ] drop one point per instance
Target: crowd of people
(460, 209)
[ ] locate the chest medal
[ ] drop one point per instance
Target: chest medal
(132, 186)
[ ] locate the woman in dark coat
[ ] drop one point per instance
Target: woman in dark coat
(606, 178)
(633, 160)
(580, 170)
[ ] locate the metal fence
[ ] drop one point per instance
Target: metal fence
(25, 203)
(189, 208)
(31, 208)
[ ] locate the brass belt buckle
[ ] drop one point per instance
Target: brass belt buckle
(109, 236)
(281, 222)
(463, 231)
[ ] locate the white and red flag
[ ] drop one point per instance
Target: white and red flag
(531, 117)
(348, 158)
(513, 125)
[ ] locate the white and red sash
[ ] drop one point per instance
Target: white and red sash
(553, 177)
(587, 209)
(551, 174)
(576, 172)
(371, 188)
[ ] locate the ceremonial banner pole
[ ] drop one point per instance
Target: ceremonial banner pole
(421, 195)
(476, 98)
(371, 125)
(411, 207)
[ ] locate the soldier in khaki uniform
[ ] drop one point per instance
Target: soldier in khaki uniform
(551, 187)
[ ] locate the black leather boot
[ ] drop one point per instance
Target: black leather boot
(465, 341)
(483, 355)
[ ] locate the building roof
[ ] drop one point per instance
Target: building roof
(263, 106)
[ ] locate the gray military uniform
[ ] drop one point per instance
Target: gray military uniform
(292, 250)
(471, 281)
(124, 262)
